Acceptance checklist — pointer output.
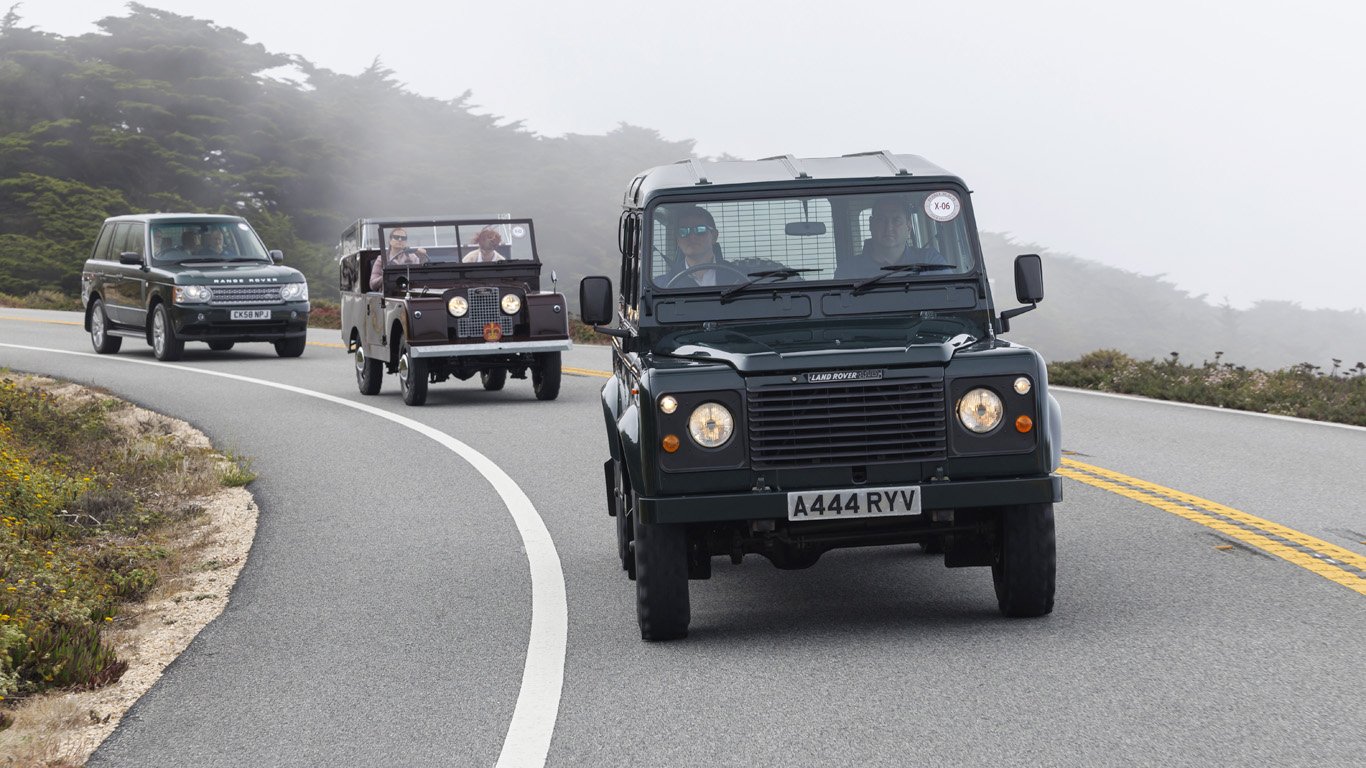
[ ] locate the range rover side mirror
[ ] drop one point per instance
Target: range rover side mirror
(595, 300)
(130, 257)
(1028, 278)
(277, 256)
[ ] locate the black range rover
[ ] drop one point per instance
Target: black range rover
(807, 355)
(170, 278)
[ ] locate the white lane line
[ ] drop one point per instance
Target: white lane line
(1200, 407)
(538, 702)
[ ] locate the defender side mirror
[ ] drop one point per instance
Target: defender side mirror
(277, 256)
(595, 300)
(1028, 286)
(131, 258)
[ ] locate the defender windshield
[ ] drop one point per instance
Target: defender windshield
(186, 241)
(466, 243)
(896, 236)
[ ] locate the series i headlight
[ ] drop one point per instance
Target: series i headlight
(192, 294)
(294, 292)
(457, 306)
(711, 425)
(980, 410)
(512, 304)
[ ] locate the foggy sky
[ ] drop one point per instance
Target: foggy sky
(1220, 146)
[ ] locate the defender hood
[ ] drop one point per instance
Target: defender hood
(749, 355)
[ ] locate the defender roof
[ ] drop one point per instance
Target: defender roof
(782, 170)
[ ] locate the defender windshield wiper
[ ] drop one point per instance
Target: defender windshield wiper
(777, 274)
(897, 269)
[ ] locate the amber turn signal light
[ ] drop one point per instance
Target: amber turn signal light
(670, 443)
(1024, 424)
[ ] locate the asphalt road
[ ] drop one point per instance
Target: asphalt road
(383, 616)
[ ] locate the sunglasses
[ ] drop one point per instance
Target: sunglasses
(700, 229)
(400, 238)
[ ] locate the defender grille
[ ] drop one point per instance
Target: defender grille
(483, 310)
(246, 294)
(855, 422)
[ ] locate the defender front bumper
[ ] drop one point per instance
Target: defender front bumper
(759, 505)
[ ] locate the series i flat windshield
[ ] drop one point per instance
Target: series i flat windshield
(462, 243)
(858, 239)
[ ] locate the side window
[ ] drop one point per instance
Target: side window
(137, 239)
(120, 239)
(102, 244)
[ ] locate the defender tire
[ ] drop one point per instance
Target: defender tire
(545, 375)
(291, 347)
(100, 339)
(165, 345)
(369, 372)
(1025, 571)
(661, 581)
(493, 379)
(624, 500)
(412, 376)
(221, 346)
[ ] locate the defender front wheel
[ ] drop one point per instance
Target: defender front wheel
(412, 376)
(661, 580)
(545, 375)
(1025, 570)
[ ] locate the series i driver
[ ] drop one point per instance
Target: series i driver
(806, 355)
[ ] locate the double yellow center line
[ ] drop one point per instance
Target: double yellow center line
(1327, 560)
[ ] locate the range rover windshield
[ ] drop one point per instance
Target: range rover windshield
(885, 237)
(215, 240)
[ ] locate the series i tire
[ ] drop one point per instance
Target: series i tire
(412, 375)
(291, 347)
(1025, 572)
(493, 379)
(165, 345)
(369, 372)
(221, 346)
(545, 375)
(100, 339)
(661, 580)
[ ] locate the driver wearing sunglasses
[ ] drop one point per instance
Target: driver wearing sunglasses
(397, 252)
(696, 235)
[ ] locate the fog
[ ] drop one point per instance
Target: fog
(1220, 147)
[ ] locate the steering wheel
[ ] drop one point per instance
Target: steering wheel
(721, 265)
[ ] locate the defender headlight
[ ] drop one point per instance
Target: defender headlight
(512, 304)
(711, 425)
(294, 292)
(668, 403)
(980, 410)
(457, 306)
(192, 294)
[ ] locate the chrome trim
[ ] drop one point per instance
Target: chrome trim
(492, 347)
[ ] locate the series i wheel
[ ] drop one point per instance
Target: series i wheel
(661, 580)
(412, 376)
(221, 346)
(494, 378)
(100, 339)
(291, 347)
(545, 375)
(1025, 571)
(369, 372)
(165, 345)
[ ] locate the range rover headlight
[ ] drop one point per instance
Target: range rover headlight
(457, 306)
(294, 292)
(192, 294)
(711, 425)
(980, 410)
(512, 304)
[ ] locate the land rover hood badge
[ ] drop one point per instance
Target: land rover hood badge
(827, 377)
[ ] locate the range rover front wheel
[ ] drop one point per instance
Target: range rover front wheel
(165, 345)
(661, 580)
(99, 330)
(1025, 570)
(291, 347)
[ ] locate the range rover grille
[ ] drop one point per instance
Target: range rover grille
(246, 294)
(483, 310)
(855, 422)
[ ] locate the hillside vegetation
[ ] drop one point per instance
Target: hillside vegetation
(157, 111)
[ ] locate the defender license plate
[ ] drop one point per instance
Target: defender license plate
(250, 314)
(855, 502)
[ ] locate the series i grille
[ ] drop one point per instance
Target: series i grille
(247, 294)
(483, 310)
(855, 422)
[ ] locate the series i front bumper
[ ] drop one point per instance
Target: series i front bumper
(759, 505)
(491, 348)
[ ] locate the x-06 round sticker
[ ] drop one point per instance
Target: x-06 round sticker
(942, 206)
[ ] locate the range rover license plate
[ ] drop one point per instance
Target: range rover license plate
(250, 314)
(854, 502)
